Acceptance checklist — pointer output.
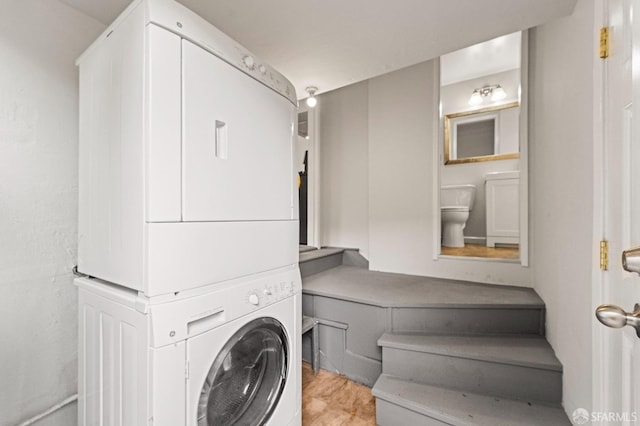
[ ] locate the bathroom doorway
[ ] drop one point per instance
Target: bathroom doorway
(483, 147)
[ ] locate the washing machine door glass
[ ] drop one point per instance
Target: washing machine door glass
(247, 377)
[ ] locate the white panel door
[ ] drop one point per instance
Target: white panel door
(617, 351)
(237, 150)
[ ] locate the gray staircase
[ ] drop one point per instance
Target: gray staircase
(448, 352)
(401, 402)
(516, 367)
(483, 379)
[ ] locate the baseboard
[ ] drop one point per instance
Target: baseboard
(476, 240)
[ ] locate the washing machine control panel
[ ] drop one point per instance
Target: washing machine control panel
(176, 320)
(271, 292)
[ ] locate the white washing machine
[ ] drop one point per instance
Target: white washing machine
(187, 140)
(221, 355)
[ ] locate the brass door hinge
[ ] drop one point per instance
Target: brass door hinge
(604, 42)
(604, 255)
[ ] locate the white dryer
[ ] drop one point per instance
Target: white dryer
(218, 356)
(187, 140)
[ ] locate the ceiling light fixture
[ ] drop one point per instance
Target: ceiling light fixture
(311, 100)
(496, 92)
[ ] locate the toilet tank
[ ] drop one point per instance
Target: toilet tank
(457, 195)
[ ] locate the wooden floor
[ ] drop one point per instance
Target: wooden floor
(332, 400)
(477, 250)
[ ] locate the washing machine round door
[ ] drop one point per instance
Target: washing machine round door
(247, 377)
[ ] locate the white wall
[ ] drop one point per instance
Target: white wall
(561, 163)
(39, 41)
(401, 108)
(343, 145)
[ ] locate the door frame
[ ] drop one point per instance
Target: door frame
(597, 289)
(313, 174)
(438, 160)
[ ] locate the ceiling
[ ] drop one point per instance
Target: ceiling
(490, 57)
(333, 43)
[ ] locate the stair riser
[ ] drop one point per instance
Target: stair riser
(315, 266)
(468, 321)
(508, 381)
(388, 414)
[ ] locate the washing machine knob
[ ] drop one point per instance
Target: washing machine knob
(253, 299)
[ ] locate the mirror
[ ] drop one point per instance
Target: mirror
(482, 135)
(482, 176)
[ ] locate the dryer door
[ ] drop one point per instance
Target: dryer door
(237, 151)
(247, 377)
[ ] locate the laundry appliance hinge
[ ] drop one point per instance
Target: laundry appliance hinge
(604, 255)
(604, 42)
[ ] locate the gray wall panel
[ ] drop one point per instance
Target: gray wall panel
(361, 369)
(332, 348)
(366, 323)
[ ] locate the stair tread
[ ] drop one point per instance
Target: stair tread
(397, 290)
(521, 350)
(464, 408)
(309, 255)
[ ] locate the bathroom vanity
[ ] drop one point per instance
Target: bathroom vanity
(502, 202)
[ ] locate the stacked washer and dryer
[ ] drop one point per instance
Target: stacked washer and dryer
(190, 310)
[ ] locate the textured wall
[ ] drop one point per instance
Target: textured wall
(39, 41)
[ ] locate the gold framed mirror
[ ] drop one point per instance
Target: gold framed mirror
(484, 134)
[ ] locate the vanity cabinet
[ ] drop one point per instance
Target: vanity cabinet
(502, 190)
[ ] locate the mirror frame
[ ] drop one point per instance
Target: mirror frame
(448, 147)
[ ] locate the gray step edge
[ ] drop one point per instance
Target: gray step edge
(415, 397)
(456, 347)
(308, 256)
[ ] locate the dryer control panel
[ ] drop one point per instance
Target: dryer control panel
(178, 19)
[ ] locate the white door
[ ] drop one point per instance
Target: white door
(237, 150)
(617, 350)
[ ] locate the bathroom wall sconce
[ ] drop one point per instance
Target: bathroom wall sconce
(311, 100)
(496, 92)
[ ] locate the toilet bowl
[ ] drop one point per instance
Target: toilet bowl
(454, 219)
(456, 202)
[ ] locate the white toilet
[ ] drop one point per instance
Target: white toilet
(456, 201)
